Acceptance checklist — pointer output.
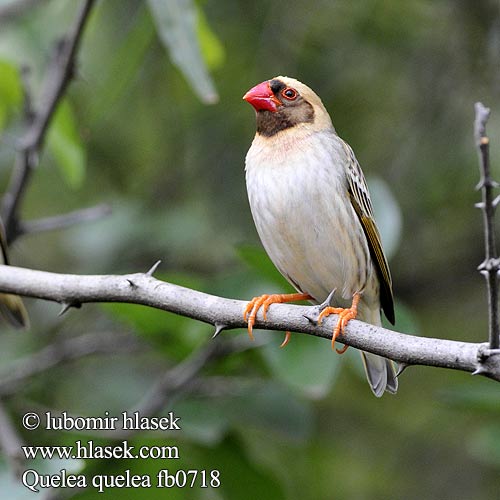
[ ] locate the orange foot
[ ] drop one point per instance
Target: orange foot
(264, 301)
(345, 315)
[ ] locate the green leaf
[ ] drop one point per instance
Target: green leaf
(203, 421)
(122, 71)
(272, 408)
(387, 215)
(66, 146)
(232, 461)
(259, 262)
(211, 47)
(11, 485)
(10, 91)
(406, 320)
(481, 396)
(146, 320)
(307, 363)
(484, 445)
(173, 333)
(176, 23)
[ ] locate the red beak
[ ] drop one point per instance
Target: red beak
(261, 97)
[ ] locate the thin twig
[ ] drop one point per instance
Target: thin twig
(142, 289)
(16, 8)
(491, 264)
(65, 220)
(177, 381)
(61, 352)
(57, 78)
(170, 387)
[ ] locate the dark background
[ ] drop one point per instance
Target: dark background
(400, 80)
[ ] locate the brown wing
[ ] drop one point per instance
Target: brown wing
(11, 306)
(360, 199)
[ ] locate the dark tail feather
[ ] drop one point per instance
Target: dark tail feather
(13, 310)
(380, 374)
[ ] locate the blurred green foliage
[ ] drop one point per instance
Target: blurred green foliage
(65, 145)
(10, 92)
(400, 80)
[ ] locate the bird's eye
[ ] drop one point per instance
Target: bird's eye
(289, 94)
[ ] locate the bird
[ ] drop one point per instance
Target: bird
(312, 210)
(11, 306)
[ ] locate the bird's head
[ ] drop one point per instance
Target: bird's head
(282, 103)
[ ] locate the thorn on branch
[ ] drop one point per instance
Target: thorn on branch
(218, 328)
(490, 352)
(328, 301)
(401, 368)
(153, 269)
(311, 319)
(479, 371)
(484, 352)
(487, 360)
(132, 283)
(489, 268)
(489, 265)
(486, 183)
(66, 306)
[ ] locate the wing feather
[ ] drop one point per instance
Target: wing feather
(360, 199)
(11, 306)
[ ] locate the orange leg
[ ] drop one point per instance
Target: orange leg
(345, 315)
(264, 301)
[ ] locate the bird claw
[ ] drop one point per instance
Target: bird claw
(287, 338)
(264, 302)
(250, 313)
(345, 315)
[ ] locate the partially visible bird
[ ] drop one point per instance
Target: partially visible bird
(11, 306)
(312, 209)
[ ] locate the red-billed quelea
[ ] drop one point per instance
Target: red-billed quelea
(314, 216)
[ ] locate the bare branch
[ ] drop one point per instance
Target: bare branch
(62, 352)
(400, 347)
(491, 264)
(65, 220)
(177, 381)
(56, 81)
(16, 8)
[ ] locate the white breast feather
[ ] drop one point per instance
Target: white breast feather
(298, 196)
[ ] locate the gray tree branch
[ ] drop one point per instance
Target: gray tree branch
(490, 267)
(63, 221)
(15, 8)
(57, 79)
(62, 351)
(142, 288)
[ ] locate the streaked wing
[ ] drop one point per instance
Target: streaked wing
(11, 306)
(3, 245)
(360, 199)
